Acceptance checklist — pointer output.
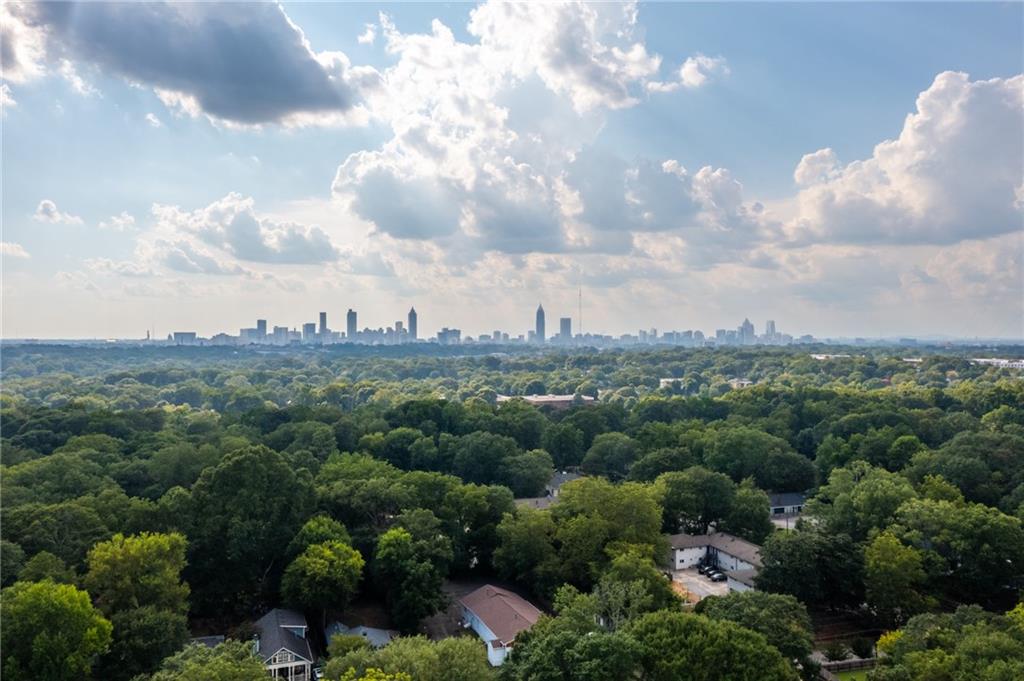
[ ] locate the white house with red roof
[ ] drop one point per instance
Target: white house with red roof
(497, 616)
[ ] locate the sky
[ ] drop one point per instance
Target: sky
(843, 169)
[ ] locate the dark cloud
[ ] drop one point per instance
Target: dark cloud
(242, 62)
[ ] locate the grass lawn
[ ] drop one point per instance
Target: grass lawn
(859, 675)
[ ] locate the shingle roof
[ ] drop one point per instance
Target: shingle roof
(539, 503)
(786, 499)
(274, 635)
(562, 477)
(688, 541)
(208, 641)
(743, 576)
(721, 541)
(504, 613)
(735, 546)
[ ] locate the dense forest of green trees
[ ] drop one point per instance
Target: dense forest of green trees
(149, 495)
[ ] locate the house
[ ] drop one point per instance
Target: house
(551, 491)
(377, 638)
(208, 641)
(741, 580)
(536, 503)
(739, 559)
(282, 645)
(559, 479)
(786, 503)
(497, 616)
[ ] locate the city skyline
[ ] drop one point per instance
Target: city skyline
(678, 161)
(401, 332)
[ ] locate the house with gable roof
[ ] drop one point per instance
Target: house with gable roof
(497, 616)
(282, 645)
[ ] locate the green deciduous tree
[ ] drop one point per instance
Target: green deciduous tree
(50, 631)
(316, 530)
(143, 637)
(324, 575)
(526, 551)
(564, 442)
(451, 659)
(781, 619)
(967, 645)
(137, 571)
(245, 511)
(229, 661)
(478, 457)
(526, 474)
(676, 645)
(12, 558)
(693, 499)
(818, 568)
(665, 460)
(611, 456)
(45, 565)
(860, 498)
(970, 550)
(749, 516)
(893, 580)
(411, 582)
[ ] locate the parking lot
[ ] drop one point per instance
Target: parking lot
(697, 585)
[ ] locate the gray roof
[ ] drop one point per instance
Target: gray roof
(562, 477)
(378, 638)
(743, 576)
(538, 503)
(208, 641)
(787, 499)
(720, 541)
(276, 632)
(688, 541)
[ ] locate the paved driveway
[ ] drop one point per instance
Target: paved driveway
(697, 585)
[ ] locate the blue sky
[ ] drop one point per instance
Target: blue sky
(194, 167)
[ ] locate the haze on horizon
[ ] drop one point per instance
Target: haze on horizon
(843, 169)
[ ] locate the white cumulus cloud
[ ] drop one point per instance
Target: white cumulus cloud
(122, 222)
(47, 211)
(952, 174)
(13, 250)
(232, 225)
(695, 72)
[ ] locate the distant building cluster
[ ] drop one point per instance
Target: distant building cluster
(403, 332)
(1000, 363)
(311, 333)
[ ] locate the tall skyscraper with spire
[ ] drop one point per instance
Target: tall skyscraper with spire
(539, 332)
(412, 323)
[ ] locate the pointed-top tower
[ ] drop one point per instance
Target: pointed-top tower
(412, 323)
(540, 324)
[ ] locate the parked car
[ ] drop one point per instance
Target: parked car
(718, 577)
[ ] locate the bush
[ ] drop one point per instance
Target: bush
(863, 647)
(836, 651)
